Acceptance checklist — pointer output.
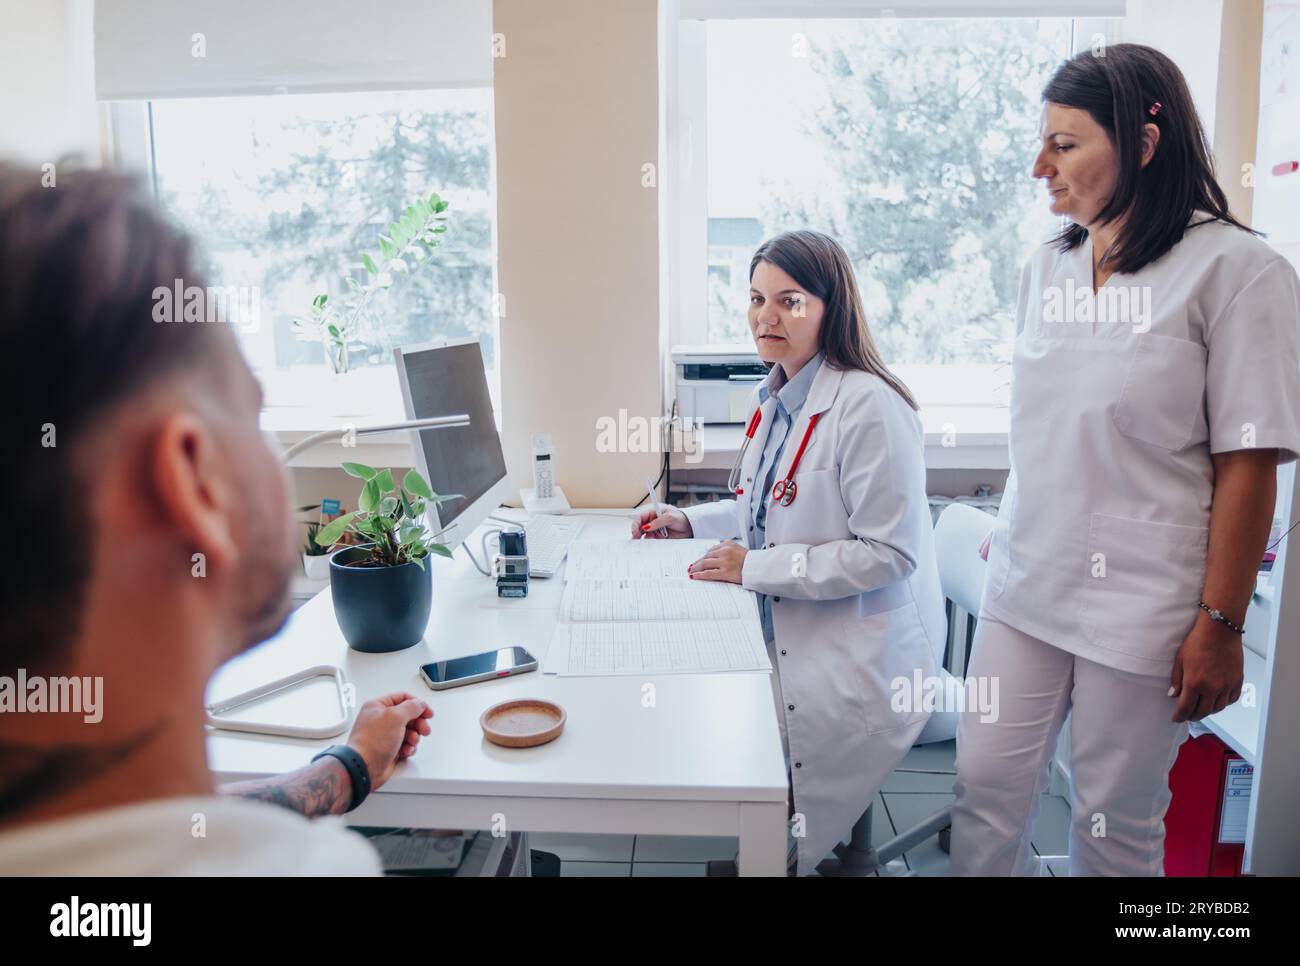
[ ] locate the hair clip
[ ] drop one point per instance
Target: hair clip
(1154, 109)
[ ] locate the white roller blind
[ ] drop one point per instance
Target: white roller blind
(146, 49)
(846, 9)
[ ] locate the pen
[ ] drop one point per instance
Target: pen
(654, 502)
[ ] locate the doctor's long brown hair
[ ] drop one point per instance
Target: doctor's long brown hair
(820, 267)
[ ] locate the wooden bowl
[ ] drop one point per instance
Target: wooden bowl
(522, 723)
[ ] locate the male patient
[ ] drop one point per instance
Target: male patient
(138, 450)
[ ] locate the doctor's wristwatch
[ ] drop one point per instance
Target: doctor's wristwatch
(1217, 615)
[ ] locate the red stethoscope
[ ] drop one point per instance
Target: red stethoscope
(784, 491)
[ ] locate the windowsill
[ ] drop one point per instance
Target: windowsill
(956, 437)
(307, 400)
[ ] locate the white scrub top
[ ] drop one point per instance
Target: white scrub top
(1117, 403)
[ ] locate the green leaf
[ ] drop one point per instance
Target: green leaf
(444, 497)
(369, 496)
(360, 470)
(328, 536)
(386, 247)
(388, 506)
(369, 262)
(415, 483)
(384, 478)
(440, 550)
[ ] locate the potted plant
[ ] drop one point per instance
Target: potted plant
(408, 243)
(381, 587)
(315, 558)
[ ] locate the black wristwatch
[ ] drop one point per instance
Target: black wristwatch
(356, 769)
(1217, 615)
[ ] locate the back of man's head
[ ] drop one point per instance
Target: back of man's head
(78, 265)
(149, 533)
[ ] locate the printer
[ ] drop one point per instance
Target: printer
(714, 382)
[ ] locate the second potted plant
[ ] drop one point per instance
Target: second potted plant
(381, 587)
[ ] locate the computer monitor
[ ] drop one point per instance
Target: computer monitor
(441, 380)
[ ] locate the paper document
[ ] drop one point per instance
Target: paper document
(629, 607)
(654, 600)
(634, 559)
(667, 648)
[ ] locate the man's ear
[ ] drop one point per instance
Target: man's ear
(1150, 141)
(193, 492)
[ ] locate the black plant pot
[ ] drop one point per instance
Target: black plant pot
(379, 609)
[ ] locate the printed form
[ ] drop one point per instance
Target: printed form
(630, 608)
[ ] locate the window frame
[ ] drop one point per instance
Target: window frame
(686, 70)
(131, 129)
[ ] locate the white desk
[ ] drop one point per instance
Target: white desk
(704, 759)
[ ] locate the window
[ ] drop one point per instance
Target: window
(908, 140)
(285, 194)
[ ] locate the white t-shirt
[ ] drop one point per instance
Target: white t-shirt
(216, 835)
(1117, 403)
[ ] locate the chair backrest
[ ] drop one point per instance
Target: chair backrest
(957, 538)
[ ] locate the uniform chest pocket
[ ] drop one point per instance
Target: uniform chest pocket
(1162, 401)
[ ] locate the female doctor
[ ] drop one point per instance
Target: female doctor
(834, 535)
(1154, 392)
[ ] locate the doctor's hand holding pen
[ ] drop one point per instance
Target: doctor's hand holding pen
(661, 523)
(724, 561)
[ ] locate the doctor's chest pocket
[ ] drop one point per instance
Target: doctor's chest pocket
(887, 650)
(816, 515)
(1162, 401)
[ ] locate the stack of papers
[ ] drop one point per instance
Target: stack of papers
(630, 608)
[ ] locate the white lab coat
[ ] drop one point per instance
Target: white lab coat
(856, 605)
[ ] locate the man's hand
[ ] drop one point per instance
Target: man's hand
(1208, 670)
(387, 730)
(724, 562)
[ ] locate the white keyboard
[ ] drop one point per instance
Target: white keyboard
(548, 543)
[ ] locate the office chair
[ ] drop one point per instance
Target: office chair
(958, 535)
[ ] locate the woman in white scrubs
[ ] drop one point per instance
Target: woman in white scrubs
(1155, 390)
(831, 529)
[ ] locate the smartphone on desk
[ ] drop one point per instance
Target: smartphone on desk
(441, 675)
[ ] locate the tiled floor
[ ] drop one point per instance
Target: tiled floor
(906, 798)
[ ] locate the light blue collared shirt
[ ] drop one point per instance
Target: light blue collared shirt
(790, 397)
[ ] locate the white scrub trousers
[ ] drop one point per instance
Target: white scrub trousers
(1123, 742)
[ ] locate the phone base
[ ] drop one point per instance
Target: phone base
(558, 503)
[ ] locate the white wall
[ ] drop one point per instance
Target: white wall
(577, 115)
(1216, 45)
(47, 88)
